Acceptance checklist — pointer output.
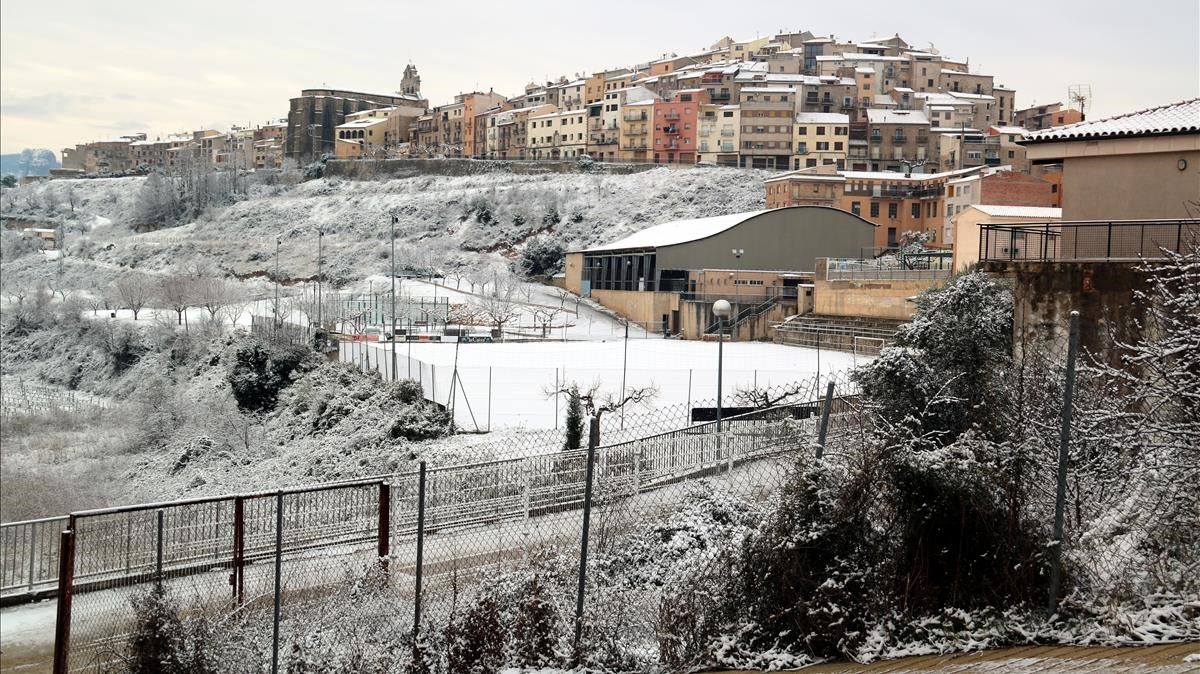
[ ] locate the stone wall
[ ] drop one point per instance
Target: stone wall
(1045, 293)
(368, 169)
(868, 298)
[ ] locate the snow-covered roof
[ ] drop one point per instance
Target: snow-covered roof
(768, 90)
(1010, 129)
(822, 118)
(1175, 118)
(875, 116)
(864, 69)
(679, 231)
(364, 122)
(1034, 212)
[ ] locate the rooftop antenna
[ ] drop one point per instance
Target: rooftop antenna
(1080, 95)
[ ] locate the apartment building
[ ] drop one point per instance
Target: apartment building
(567, 95)
(822, 139)
(637, 131)
(830, 94)
(103, 157)
(897, 136)
(157, 155)
(676, 127)
(901, 205)
(425, 136)
(961, 193)
(1046, 116)
(964, 82)
(557, 135)
(604, 121)
(363, 137)
(1012, 153)
(718, 134)
(512, 131)
(599, 84)
(767, 116)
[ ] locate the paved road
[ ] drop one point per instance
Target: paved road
(1168, 659)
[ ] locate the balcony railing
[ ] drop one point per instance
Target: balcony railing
(1128, 240)
(635, 117)
(719, 96)
(671, 115)
(899, 138)
(728, 133)
(876, 139)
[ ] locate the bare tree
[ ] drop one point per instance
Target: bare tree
(72, 197)
(214, 293)
(770, 397)
(132, 291)
(176, 292)
(499, 305)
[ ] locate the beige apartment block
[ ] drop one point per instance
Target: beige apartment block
(822, 139)
(717, 135)
(768, 115)
(557, 135)
(604, 121)
(637, 131)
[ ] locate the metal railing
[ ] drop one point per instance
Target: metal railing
(29, 556)
(1086, 240)
(894, 268)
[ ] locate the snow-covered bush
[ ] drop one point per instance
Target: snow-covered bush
(164, 642)
(261, 369)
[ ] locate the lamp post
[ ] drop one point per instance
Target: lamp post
(721, 310)
(277, 282)
(392, 329)
(737, 293)
(320, 269)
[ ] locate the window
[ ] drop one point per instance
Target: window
(820, 131)
(916, 209)
(728, 113)
(893, 210)
(822, 146)
(802, 130)
(838, 146)
(856, 207)
(874, 209)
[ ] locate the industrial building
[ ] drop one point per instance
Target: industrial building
(667, 276)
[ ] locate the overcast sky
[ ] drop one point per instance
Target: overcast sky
(79, 70)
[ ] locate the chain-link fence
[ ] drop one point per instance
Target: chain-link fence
(329, 575)
(620, 555)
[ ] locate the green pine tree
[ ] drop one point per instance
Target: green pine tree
(574, 420)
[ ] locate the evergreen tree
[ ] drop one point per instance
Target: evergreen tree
(574, 420)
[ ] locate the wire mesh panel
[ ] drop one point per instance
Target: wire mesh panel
(29, 555)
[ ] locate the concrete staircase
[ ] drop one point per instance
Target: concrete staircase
(840, 333)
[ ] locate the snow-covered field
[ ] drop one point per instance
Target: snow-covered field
(509, 383)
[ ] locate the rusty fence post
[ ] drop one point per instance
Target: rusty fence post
(420, 553)
(385, 524)
(66, 582)
(237, 578)
(593, 441)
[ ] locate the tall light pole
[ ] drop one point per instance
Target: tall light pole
(737, 292)
(721, 310)
(392, 330)
(320, 270)
(277, 281)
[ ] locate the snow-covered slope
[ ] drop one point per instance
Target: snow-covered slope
(453, 216)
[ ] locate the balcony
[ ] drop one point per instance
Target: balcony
(672, 116)
(899, 139)
(635, 117)
(719, 96)
(922, 139)
(671, 128)
(728, 133)
(876, 139)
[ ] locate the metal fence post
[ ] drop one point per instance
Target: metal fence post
(1064, 441)
(593, 440)
(158, 557)
(385, 524)
(278, 580)
(239, 548)
(420, 550)
(825, 420)
(66, 582)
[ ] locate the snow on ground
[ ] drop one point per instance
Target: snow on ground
(507, 383)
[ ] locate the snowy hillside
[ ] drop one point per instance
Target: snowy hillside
(453, 216)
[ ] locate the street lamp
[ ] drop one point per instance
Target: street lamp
(277, 282)
(392, 328)
(320, 270)
(721, 310)
(737, 292)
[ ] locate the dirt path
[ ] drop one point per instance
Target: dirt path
(1168, 659)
